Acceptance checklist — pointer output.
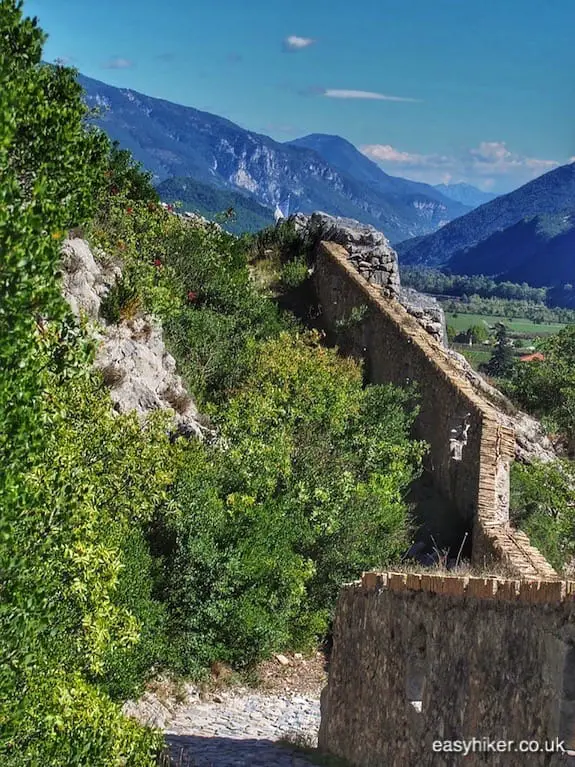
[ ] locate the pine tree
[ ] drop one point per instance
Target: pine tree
(501, 362)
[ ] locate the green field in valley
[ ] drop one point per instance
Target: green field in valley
(476, 355)
(461, 322)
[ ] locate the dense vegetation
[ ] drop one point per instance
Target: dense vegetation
(304, 483)
(543, 505)
(246, 214)
(546, 387)
(67, 525)
(124, 549)
(440, 283)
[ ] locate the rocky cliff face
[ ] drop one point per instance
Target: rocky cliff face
(136, 367)
(371, 254)
(174, 141)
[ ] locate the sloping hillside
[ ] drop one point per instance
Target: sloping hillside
(172, 140)
(210, 201)
(415, 197)
(551, 193)
(538, 250)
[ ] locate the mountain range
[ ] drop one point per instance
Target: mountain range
(511, 236)
(316, 172)
(466, 194)
(538, 250)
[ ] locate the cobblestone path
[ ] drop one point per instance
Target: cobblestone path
(241, 730)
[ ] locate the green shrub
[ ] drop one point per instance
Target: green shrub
(546, 388)
(69, 722)
(294, 273)
(305, 489)
(543, 505)
(75, 480)
(282, 238)
(120, 302)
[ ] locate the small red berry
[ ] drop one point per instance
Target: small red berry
(157, 262)
(192, 296)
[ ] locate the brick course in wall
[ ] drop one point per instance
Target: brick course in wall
(470, 450)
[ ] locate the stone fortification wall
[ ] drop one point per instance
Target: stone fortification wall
(371, 254)
(419, 658)
(471, 445)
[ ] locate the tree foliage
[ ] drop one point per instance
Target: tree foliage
(304, 490)
(546, 387)
(501, 361)
(543, 504)
(64, 515)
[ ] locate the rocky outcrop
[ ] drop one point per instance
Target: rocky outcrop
(426, 310)
(135, 364)
(86, 281)
(371, 254)
(369, 250)
(531, 441)
(141, 375)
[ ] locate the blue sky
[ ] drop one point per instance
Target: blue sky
(482, 91)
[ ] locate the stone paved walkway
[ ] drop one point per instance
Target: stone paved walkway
(242, 731)
(233, 729)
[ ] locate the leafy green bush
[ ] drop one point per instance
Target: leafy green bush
(126, 175)
(305, 489)
(69, 722)
(543, 505)
(282, 238)
(74, 480)
(294, 273)
(120, 302)
(546, 387)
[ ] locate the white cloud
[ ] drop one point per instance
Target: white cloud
(488, 165)
(336, 93)
(118, 63)
(385, 153)
(493, 157)
(296, 43)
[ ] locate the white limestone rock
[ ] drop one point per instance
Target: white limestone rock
(136, 367)
(84, 281)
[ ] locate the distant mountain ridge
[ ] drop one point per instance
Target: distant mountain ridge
(409, 195)
(538, 250)
(467, 194)
(551, 194)
(172, 140)
(345, 157)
